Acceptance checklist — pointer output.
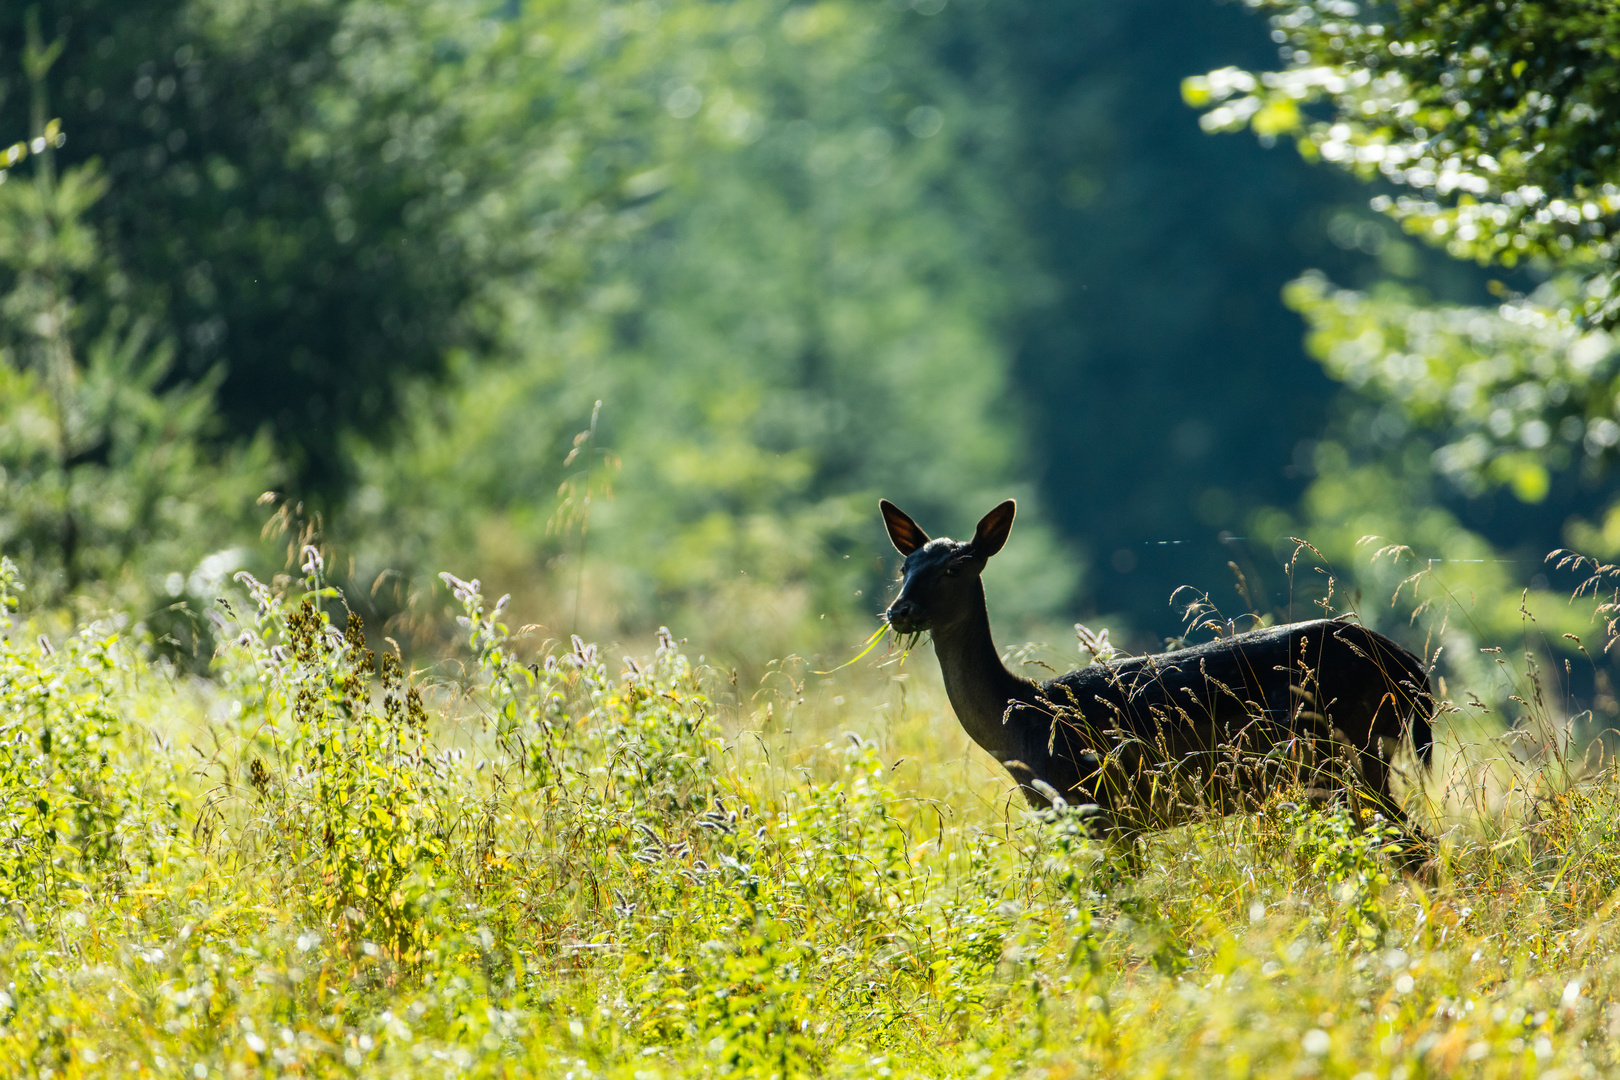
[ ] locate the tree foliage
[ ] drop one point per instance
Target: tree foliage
(1501, 122)
(107, 484)
(802, 317)
(1500, 117)
(809, 254)
(312, 195)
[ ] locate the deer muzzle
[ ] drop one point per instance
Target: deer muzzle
(904, 617)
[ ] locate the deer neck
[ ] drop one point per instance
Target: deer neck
(978, 683)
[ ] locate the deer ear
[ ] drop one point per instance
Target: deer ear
(904, 533)
(993, 528)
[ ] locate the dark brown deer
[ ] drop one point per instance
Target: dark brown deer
(1149, 740)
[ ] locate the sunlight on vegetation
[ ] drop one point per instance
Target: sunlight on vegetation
(634, 310)
(322, 863)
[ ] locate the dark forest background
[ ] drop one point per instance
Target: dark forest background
(635, 310)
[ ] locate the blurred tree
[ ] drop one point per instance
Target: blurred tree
(107, 487)
(810, 316)
(310, 195)
(1166, 383)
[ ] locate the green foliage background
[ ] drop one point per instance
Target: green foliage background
(389, 258)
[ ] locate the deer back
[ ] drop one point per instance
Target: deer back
(1142, 729)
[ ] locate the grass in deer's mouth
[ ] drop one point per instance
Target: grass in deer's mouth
(900, 644)
(906, 642)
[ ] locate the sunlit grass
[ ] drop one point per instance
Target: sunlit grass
(563, 866)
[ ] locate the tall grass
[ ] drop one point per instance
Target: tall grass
(319, 863)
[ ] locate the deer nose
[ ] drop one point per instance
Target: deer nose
(901, 613)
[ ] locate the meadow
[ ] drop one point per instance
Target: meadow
(537, 859)
(634, 309)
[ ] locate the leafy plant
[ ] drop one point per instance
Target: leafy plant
(1354, 862)
(80, 818)
(360, 805)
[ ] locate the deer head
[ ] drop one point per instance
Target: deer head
(940, 584)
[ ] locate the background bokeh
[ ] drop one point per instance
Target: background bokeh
(634, 311)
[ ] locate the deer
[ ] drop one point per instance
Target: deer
(1147, 742)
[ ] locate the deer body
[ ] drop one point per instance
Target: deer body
(1149, 739)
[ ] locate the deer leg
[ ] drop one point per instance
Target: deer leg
(1375, 786)
(1414, 852)
(1125, 842)
(1118, 834)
